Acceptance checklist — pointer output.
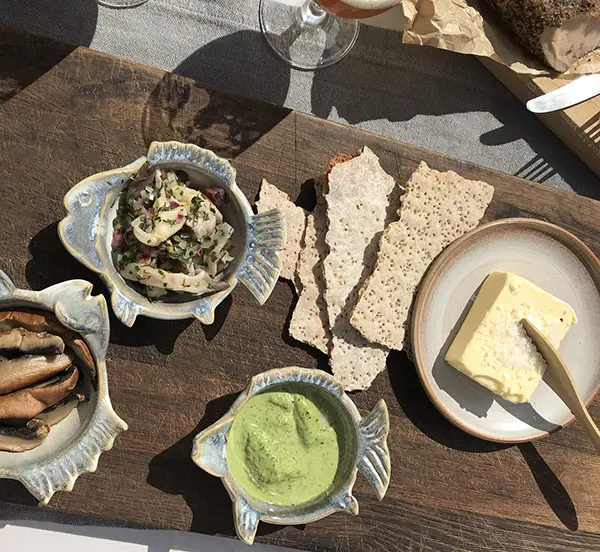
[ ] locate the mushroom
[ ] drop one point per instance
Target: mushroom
(20, 339)
(80, 348)
(61, 410)
(42, 321)
(27, 437)
(34, 321)
(19, 407)
(27, 370)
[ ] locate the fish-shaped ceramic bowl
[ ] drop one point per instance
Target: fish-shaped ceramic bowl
(75, 444)
(87, 232)
(366, 451)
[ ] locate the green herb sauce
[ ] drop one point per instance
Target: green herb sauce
(283, 447)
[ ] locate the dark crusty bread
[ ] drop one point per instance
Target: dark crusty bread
(558, 31)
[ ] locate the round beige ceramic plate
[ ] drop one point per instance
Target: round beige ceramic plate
(548, 256)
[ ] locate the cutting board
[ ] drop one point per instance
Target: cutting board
(578, 127)
(67, 113)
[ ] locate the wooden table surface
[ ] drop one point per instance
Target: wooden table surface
(66, 113)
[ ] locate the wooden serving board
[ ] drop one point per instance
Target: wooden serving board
(66, 113)
(578, 126)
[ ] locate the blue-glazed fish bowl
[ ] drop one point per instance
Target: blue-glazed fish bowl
(87, 233)
(365, 450)
(74, 445)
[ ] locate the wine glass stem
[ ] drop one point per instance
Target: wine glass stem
(311, 13)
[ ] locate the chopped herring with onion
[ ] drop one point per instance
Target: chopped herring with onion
(167, 236)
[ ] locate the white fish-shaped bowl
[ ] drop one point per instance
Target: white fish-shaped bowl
(367, 452)
(87, 230)
(75, 444)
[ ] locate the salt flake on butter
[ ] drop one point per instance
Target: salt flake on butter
(492, 346)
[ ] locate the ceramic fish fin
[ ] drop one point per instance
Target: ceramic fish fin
(246, 520)
(7, 288)
(60, 472)
(374, 457)
(209, 449)
(125, 309)
(84, 316)
(349, 504)
(262, 263)
(191, 154)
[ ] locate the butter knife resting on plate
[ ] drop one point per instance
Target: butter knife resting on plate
(559, 379)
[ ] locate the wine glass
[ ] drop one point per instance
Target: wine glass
(318, 33)
(121, 3)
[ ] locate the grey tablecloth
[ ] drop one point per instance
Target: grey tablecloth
(443, 101)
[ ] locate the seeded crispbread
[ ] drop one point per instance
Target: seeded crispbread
(309, 322)
(295, 220)
(437, 208)
(357, 199)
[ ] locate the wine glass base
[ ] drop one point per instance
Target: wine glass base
(121, 3)
(306, 37)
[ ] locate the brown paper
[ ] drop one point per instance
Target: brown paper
(458, 26)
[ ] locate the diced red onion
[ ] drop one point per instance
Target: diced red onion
(215, 194)
(117, 239)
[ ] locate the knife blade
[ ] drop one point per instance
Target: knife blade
(571, 94)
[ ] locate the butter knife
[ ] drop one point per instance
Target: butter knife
(559, 379)
(568, 95)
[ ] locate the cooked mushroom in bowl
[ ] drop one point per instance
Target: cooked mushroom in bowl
(55, 408)
(46, 370)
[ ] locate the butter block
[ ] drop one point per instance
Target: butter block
(492, 346)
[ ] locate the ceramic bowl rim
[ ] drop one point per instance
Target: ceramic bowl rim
(432, 274)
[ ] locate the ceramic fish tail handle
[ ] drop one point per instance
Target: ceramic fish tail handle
(262, 263)
(374, 456)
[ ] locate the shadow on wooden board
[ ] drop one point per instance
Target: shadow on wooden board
(172, 472)
(421, 412)
(553, 490)
(15, 492)
(24, 58)
(178, 109)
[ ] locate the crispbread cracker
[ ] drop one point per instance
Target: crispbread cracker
(438, 208)
(309, 322)
(357, 203)
(295, 221)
